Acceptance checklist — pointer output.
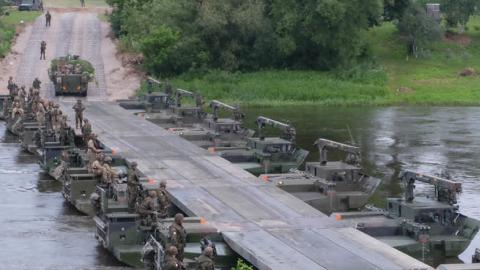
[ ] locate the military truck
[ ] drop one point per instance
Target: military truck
(267, 154)
(71, 75)
(421, 226)
(329, 186)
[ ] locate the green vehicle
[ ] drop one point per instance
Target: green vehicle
(267, 154)
(329, 186)
(429, 228)
(71, 75)
(122, 232)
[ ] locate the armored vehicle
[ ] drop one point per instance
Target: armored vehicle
(329, 186)
(71, 75)
(422, 226)
(267, 154)
(123, 232)
(215, 132)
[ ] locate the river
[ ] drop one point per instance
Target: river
(40, 231)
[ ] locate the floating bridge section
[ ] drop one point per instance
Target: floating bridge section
(267, 226)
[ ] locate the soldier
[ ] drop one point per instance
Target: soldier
(205, 261)
(10, 85)
(40, 114)
(43, 49)
(170, 261)
(163, 200)
(178, 235)
(16, 109)
(86, 130)
(56, 112)
(78, 108)
(36, 84)
(82, 3)
(97, 165)
(22, 94)
(108, 175)
(48, 18)
(132, 183)
(148, 208)
(92, 150)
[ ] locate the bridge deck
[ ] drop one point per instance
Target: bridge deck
(267, 226)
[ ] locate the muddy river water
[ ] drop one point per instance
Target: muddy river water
(38, 230)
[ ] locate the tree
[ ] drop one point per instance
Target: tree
(419, 29)
(458, 12)
(394, 9)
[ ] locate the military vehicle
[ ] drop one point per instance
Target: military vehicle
(4, 103)
(71, 75)
(121, 230)
(421, 226)
(267, 154)
(329, 186)
(213, 131)
(29, 5)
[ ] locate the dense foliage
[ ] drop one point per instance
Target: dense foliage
(177, 36)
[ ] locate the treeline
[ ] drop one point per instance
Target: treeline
(177, 36)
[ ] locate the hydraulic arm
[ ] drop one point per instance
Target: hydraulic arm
(288, 130)
(353, 152)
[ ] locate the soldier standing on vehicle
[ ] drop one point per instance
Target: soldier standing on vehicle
(36, 84)
(108, 175)
(170, 261)
(178, 235)
(92, 151)
(78, 108)
(10, 85)
(86, 130)
(48, 19)
(22, 94)
(163, 200)
(97, 165)
(40, 114)
(132, 184)
(148, 209)
(205, 261)
(43, 49)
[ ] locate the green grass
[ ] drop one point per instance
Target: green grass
(432, 80)
(74, 3)
(8, 26)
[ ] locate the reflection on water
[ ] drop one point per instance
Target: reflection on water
(38, 230)
(431, 140)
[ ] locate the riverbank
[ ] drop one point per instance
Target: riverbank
(12, 24)
(434, 79)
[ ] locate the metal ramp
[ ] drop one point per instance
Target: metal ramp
(267, 226)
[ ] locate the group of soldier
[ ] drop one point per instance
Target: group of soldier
(150, 208)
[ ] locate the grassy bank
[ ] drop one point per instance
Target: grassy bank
(8, 25)
(432, 80)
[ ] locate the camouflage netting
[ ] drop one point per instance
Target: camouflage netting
(73, 60)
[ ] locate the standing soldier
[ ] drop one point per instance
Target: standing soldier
(178, 235)
(205, 261)
(108, 174)
(132, 183)
(82, 3)
(163, 200)
(78, 108)
(36, 84)
(11, 85)
(92, 151)
(148, 208)
(43, 49)
(22, 94)
(48, 18)
(86, 131)
(40, 114)
(97, 165)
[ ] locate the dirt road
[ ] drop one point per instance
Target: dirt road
(72, 31)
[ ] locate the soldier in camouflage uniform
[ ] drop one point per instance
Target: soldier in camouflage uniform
(170, 261)
(78, 108)
(108, 175)
(36, 84)
(163, 200)
(97, 166)
(205, 261)
(92, 150)
(40, 116)
(178, 236)
(148, 209)
(132, 183)
(86, 130)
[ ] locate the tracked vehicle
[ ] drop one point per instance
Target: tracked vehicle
(121, 230)
(421, 226)
(70, 75)
(329, 186)
(267, 154)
